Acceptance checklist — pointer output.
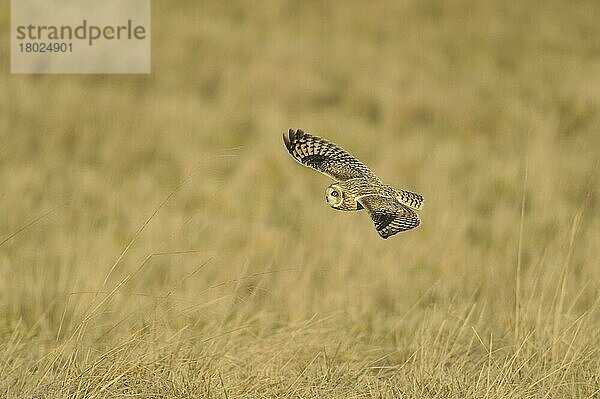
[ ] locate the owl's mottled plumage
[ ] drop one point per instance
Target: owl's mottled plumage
(325, 156)
(357, 187)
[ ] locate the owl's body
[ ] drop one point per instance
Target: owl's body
(357, 187)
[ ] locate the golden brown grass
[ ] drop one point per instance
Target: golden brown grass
(163, 244)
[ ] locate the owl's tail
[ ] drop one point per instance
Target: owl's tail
(411, 199)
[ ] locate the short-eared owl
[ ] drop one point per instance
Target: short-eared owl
(356, 187)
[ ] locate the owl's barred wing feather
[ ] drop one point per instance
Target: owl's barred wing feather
(325, 156)
(389, 215)
(411, 199)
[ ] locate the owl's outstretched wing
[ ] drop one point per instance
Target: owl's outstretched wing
(389, 215)
(325, 156)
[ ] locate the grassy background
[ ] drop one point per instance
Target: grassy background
(481, 106)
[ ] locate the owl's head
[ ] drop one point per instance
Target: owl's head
(334, 196)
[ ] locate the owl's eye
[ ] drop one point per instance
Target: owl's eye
(334, 194)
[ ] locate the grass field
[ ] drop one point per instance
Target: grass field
(156, 239)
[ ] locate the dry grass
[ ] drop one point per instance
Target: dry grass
(186, 255)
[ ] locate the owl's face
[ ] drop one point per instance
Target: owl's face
(334, 196)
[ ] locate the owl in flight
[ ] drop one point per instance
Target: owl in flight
(356, 187)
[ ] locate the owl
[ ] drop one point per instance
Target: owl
(356, 187)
